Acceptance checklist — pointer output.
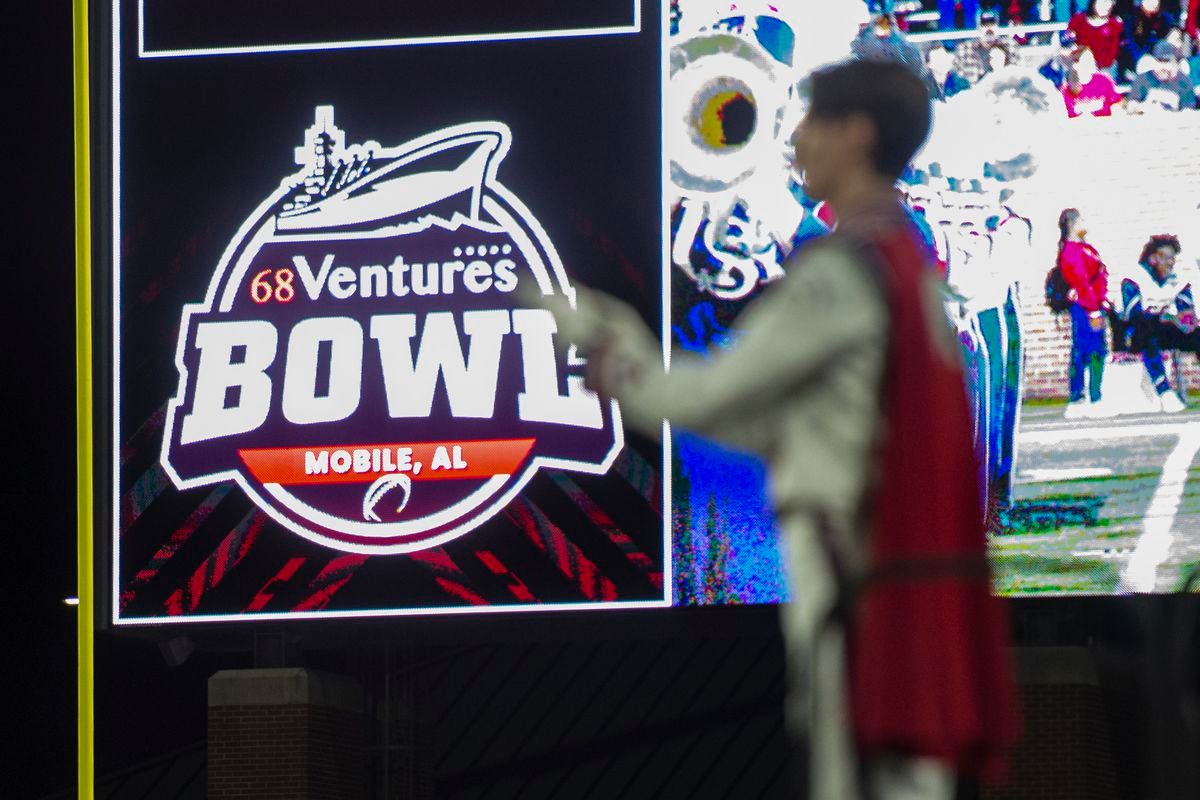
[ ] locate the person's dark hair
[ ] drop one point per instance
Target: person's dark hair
(1065, 220)
(1157, 241)
(889, 94)
(1008, 59)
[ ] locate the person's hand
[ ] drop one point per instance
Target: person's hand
(608, 368)
(606, 331)
(582, 325)
(598, 360)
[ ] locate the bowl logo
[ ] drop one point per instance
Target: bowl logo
(359, 365)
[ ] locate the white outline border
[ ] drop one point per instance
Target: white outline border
(356, 44)
(666, 472)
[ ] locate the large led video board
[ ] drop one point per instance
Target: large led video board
(325, 399)
(327, 402)
(1051, 137)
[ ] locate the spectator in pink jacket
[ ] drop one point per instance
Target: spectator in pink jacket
(1087, 91)
(1088, 278)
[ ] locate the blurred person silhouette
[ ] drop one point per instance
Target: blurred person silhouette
(999, 58)
(1156, 312)
(968, 261)
(1177, 39)
(1191, 53)
(940, 62)
(1055, 68)
(971, 55)
(1012, 239)
(883, 40)
(1100, 30)
(1087, 92)
(1165, 85)
(918, 199)
(948, 14)
(1145, 27)
(1087, 278)
(847, 380)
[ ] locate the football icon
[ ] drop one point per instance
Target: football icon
(388, 490)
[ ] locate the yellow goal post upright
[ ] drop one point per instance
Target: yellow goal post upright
(86, 610)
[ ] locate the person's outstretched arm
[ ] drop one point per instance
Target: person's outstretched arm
(828, 306)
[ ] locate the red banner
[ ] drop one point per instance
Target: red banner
(421, 461)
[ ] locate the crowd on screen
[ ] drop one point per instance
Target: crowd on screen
(1101, 62)
(953, 15)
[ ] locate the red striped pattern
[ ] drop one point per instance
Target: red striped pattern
(177, 540)
(233, 549)
(149, 433)
(336, 574)
(145, 490)
(564, 553)
(515, 585)
(265, 594)
(642, 476)
(448, 575)
(610, 529)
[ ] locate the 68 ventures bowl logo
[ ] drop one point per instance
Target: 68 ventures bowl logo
(359, 365)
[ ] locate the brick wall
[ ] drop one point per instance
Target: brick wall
(1047, 341)
(1048, 349)
(285, 734)
(1065, 750)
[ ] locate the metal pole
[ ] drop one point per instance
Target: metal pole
(86, 610)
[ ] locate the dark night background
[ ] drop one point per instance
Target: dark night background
(143, 706)
(36, 392)
(146, 707)
(36, 387)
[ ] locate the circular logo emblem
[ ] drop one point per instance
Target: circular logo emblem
(359, 365)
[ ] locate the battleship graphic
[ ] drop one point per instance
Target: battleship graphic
(359, 188)
(360, 365)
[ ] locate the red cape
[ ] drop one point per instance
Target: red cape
(930, 669)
